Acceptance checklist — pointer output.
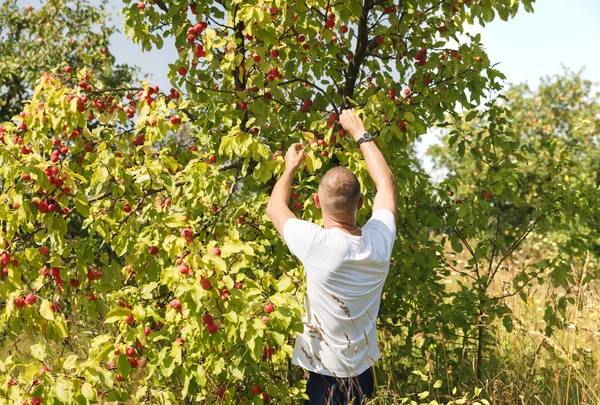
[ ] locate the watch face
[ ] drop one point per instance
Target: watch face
(367, 136)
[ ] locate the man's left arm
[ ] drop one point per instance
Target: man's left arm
(277, 208)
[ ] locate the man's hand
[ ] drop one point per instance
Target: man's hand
(352, 124)
(294, 157)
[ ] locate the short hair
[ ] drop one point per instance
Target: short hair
(339, 191)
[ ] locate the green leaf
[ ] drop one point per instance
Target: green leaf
(117, 314)
(70, 362)
(456, 243)
(82, 203)
(175, 221)
(38, 351)
(88, 392)
(45, 310)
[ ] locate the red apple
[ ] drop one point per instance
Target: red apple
(30, 299)
(176, 305)
(130, 318)
(216, 251)
(205, 283)
(212, 328)
(133, 362)
(269, 308)
(208, 319)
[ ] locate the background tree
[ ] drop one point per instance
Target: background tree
(36, 40)
(531, 159)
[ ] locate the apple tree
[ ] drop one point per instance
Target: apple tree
(138, 265)
(34, 40)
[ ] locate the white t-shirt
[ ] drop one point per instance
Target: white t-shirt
(345, 276)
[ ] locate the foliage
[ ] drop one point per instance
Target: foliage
(35, 40)
(141, 267)
(522, 169)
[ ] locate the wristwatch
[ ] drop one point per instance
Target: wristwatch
(365, 138)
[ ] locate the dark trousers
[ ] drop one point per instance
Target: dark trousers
(326, 390)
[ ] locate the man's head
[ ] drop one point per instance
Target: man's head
(339, 193)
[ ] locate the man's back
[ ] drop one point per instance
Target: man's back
(345, 277)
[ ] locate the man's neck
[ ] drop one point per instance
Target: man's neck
(347, 225)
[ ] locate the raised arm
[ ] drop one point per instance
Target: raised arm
(277, 208)
(376, 165)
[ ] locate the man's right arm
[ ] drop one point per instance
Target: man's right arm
(376, 165)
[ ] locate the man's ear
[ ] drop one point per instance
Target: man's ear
(317, 200)
(361, 200)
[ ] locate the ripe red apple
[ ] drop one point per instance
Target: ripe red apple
(205, 283)
(74, 283)
(20, 302)
(208, 319)
(175, 304)
(450, 193)
(147, 331)
(182, 71)
(212, 328)
(141, 6)
(44, 250)
(127, 208)
(30, 299)
(119, 378)
(154, 250)
(265, 319)
(344, 29)
(179, 341)
(184, 269)
(130, 351)
(130, 318)
(36, 401)
(133, 362)
(216, 251)
(269, 308)
(487, 196)
(294, 197)
(187, 233)
(256, 390)
(297, 206)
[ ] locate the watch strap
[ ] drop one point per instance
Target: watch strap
(363, 139)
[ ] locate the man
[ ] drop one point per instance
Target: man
(345, 267)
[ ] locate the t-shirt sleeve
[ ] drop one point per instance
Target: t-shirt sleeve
(299, 236)
(384, 223)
